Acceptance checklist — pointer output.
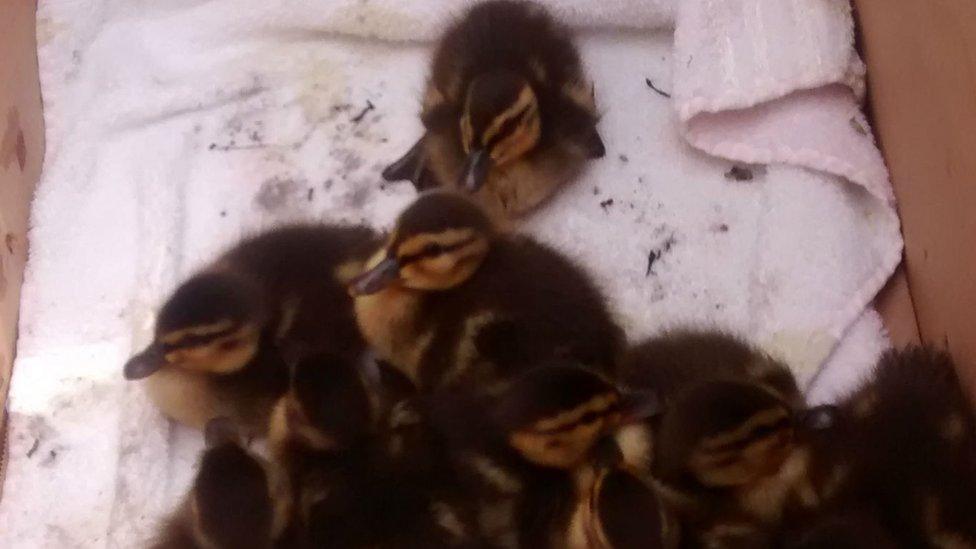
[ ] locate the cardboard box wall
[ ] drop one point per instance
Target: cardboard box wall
(921, 56)
(21, 152)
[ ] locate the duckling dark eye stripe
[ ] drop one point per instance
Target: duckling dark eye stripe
(509, 126)
(193, 340)
(585, 419)
(747, 438)
(440, 249)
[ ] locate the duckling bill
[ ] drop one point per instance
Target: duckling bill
(509, 113)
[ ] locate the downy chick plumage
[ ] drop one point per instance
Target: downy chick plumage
(904, 447)
(351, 487)
(730, 458)
(675, 360)
(509, 112)
(448, 299)
(231, 504)
(223, 339)
(516, 452)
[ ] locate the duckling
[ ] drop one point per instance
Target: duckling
(515, 451)
(349, 489)
(509, 113)
(678, 359)
(730, 457)
(447, 299)
(230, 505)
(223, 338)
(907, 442)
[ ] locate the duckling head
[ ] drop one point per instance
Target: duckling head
(724, 435)
(500, 122)
(327, 407)
(230, 503)
(555, 416)
(211, 324)
(439, 242)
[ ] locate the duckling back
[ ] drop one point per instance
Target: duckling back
(676, 360)
(302, 271)
(526, 306)
(909, 443)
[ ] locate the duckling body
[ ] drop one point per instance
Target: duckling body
(223, 339)
(449, 300)
(509, 113)
(352, 486)
(230, 505)
(906, 442)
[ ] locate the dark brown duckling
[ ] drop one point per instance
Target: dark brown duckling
(905, 444)
(350, 489)
(230, 505)
(223, 337)
(448, 299)
(509, 113)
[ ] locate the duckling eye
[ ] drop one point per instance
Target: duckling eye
(230, 345)
(433, 249)
(766, 430)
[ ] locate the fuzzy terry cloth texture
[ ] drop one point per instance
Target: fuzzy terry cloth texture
(752, 199)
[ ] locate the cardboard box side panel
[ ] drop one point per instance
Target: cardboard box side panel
(921, 56)
(894, 303)
(21, 152)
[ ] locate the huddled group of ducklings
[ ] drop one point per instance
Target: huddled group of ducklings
(454, 384)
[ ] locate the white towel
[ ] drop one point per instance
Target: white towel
(174, 128)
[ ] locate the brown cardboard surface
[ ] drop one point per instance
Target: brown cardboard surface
(921, 56)
(21, 151)
(894, 303)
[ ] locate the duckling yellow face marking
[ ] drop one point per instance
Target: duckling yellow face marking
(208, 350)
(439, 261)
(515, 131)
(753, 450)
(564, 440)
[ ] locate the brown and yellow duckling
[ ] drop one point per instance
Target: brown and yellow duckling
(447, 299)
(517, 451)
(731, 457)
(509, 113)
(222, 339)
(231, 504)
